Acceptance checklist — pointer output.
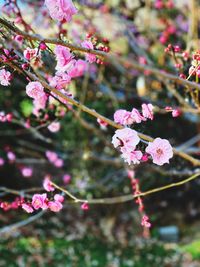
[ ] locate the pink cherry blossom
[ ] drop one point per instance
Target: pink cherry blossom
(131, 156)
(147, 111)
(5, 77)
(137, 117)
(89, 45)
(85, 206)
(63, 57)
(66, 178)
(125, 137)
(11, 156)
(78, 68)
(47, 184)
(27, 171)
(60, 80)
(27, 207)
(58, 163)
(39, 201)
(54, 127)
(58, 197)
(55, 206)
(176, 113)
(52, 156)
(30, 53)
(123, 117)
(35, 90)
(160, 150)
(61, 9)
(2, 162)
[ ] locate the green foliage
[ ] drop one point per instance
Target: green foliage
(193, 249)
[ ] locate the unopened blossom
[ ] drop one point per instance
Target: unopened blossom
(5, 77)
(137, 117)
(35, 90)
(27, 207)
(39, 201)
(30, 53)
(85, 206)
(131, 156)
(66, 178)
(102, 123)
(147, 111)
(125, 137)
(89, 45)
(176, 113)
(27, 171)
(55, 206)
(160, 150)
(11, 156)
(48, 185)
(78, 68)
(54, 127)
(59, 163)
(145, 221)
(63, 58)
(61, 9)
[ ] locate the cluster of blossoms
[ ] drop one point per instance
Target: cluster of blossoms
(61, 10)
(54, 159)
(15, 204)
(127, 139)
(5, 77)
(160, 4)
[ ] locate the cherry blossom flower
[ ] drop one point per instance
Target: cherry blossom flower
(147, 111)
(63, 57)
(89, 45)
(39, 201)
(123, 117)
(176, 113)
(5, 77)
(52, 156)
(35, 90)
(160, 150)
(27, 207)
(102, 123)
(27, 172)
(58, 163)
(78, 68)
(61, 9)
(131, 156)
(137, 117)
(55, 206)
(2, 162)
(66, 178)
(125, 137)
(85, 206)
(30, 53)
(54, 127)
(11, 156)
(47, 184)
(60, 80)
(58, 197)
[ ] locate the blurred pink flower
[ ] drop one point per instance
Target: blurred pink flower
(47, 184)
(39, 201)
(66, 178)
(58, 197)
(147, 111)
(160, 150)
(2, 162)
(89, 45)
(58, 163)
(54, 127)
(11, 156)
(52, 156)
(27, 207)
(60, 80)
(137, 117)
(61, 9)
(55, 206)
(78, 68)
(123, 117)
(35, 90)
(30, 53)
(63, 57)
(27, 172)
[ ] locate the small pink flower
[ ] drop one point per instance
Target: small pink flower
(58, 163)
(78, 68)
(131, 156)
(30, 53)
(39, 201)
(35, 90)
(59, 198)
(123, 117)
(54, 127)
(2, 162)
(27, 207)
(61, 9)
(47, 184)
(52, 156)
(11, 156)
(66, 178)
(176, 113)
(125, 137)
(89, 45)
(160, 150)
(147, 111)
(63, 57)
(60, 80)
(5, 77)
(145, 221)
(55, 206)
(19, 39)
(85, 206)
(27, 172)
(137, 117)
(102, 123)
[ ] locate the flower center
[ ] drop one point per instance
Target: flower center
(159, 152)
